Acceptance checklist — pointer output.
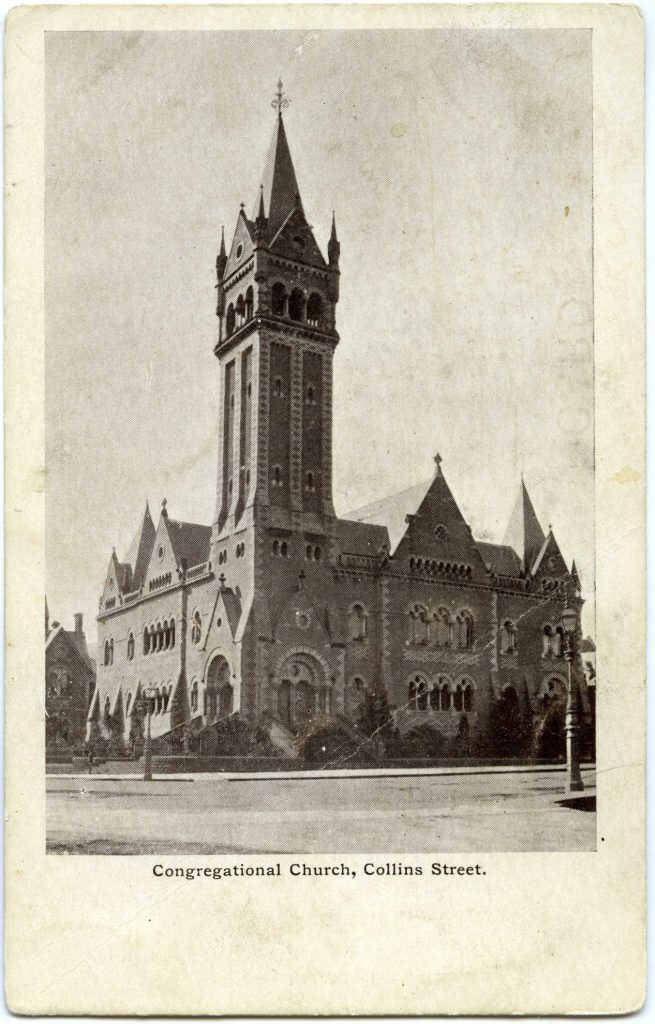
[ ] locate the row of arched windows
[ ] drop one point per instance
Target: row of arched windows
(440, 628)
(240, 312)
(160, 701)
(294, 306)
(432, 565)
(441, 695)
(160, 637)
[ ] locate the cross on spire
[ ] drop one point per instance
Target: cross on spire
(437, 461)
(280, 102)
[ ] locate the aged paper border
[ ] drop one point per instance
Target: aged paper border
(540, 933)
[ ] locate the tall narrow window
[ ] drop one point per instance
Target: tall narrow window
(106, 658)
(278, 299)
(130, 647)
(194, 696)
(229, 320)
(508, 638)
(250, 303)
(558, 642)
(240, 311)
(357, 622)
(111, 652)
(296, 305)
(146, 640)
(314, 309)
(421, 697)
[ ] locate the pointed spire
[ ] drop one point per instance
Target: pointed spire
(334, 248)
(261, 215)
(222, 252)
(524, 534)
(279, 192)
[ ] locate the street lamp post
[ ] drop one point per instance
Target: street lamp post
(147, 768)
(574, 782)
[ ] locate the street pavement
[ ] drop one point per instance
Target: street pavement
(451, 812)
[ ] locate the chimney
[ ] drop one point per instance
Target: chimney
(78, 622)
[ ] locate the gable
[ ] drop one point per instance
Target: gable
(162, 558)
(242, 237)
(549, 561)
(438, 530)
(295, 239)
(301, 622)
(112, 588)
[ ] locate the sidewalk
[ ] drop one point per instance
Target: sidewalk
(325, 773)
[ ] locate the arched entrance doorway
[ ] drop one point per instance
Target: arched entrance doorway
(219, 693)
(302, 691)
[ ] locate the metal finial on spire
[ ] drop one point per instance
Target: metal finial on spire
(280, 102)
(437, 461)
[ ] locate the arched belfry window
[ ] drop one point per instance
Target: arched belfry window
(230, 320)
(250, 303)
(314, 309)
(464, 630)
(418, 625)
(241, 310)
(278, 299)
(296, 305)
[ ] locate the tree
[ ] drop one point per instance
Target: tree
(374, 716)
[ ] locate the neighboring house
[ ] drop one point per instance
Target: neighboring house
(282, 611)
(70, 678)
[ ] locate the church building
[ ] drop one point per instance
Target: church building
(280, 611)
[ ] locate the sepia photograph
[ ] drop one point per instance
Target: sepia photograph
(319, 442)
(325, 465)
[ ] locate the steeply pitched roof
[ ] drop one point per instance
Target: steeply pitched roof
(524, 534)
(190, 541)
(500, 558)
(359, 538)
(141, 548)
(75, 640)
(392, 511)
(280, 188)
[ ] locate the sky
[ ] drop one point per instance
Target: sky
(459, 167)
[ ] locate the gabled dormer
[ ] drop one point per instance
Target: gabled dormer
(438, 538)
(117, 583)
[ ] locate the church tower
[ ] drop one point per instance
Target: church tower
(276, 338)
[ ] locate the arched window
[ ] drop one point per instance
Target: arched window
(130, 647)
(277, 476)
(278, 390)
(128, 703)
(357, 622)
(445, 695)
(309, 483)
(284, 549)
(434, 697)
(250, 303)
(464, 630)
(458, 698)
(194, 696)
(314, 309)
(146, 640)
(442, 627)
(196, 628)
(278, 299)
(106, 659)
(296, 304)
(310, 398)
(468, 697)
(229, 321)
(358, 684)
(558, 642)
(171, 632)
(421, 697)
(547, 642)
(240, 311)
(418, 625)
(153, 639)
(111, 652)
(508, 638)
